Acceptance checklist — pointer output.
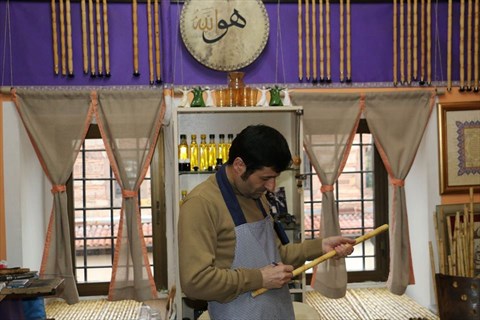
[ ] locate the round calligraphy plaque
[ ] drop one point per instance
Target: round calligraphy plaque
(224, 35)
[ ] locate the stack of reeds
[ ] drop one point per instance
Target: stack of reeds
(456, 245)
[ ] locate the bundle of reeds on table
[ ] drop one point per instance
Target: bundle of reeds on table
(455, 241)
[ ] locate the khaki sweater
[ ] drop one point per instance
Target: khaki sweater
(206, 239)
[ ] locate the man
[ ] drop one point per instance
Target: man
(227, 243)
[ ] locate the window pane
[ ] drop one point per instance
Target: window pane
(99, 274)
(78, 199)
(97, 193)
(349, 186)
(94, 144)
(97, 165)
(368, 187)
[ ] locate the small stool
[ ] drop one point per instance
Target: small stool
(302, 311)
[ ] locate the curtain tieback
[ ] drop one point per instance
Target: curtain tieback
(326, 188)
(397, 182)
(129, 194)
(58, 188)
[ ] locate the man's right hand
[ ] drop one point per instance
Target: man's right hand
(276, 275)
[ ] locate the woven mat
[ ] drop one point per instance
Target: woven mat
(368, 304)
(93, 310)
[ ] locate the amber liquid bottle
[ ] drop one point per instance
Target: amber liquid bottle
(203, 153)
(183, 159)
(193, 153)
(227, 147)
(221, 148)
(212, 152)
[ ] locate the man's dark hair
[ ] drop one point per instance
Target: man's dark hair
(261, 146)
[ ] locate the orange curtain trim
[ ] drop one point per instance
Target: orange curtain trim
(326, 188)
(129, 193)
(397, 182)
(58, 188)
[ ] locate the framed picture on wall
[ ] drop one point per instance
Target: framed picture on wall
(453, 226)
(459, 146)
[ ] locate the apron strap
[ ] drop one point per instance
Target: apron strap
(234, 207)
(229, 197)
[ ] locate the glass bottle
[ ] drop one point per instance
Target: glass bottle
(203, 152)
(221, 148)
(183, 196)
(183, 157)
(227, 147)
(212, 152)
(193, 153)
(236, 85)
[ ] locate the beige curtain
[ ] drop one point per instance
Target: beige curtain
(56, 123)
(130, 123)
(397, 122)
(330, 122)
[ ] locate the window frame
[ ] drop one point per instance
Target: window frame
(380, 202)
(159, 243)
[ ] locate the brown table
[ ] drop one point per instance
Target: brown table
(36, 288)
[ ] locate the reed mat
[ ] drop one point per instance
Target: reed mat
(368, 304)
(101, 309)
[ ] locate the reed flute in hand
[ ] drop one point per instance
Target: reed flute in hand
(327, 256)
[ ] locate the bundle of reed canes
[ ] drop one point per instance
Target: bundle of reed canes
(456, 247)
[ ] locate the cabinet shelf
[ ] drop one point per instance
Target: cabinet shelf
(231, 120)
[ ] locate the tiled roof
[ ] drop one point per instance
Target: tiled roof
(102, 236)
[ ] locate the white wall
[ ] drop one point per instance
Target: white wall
(422, 193)
(26, 194)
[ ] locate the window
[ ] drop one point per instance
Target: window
(95, 201)
(361, 195)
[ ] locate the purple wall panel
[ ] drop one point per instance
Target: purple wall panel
(30, 29)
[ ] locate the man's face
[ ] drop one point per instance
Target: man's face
(257, 183)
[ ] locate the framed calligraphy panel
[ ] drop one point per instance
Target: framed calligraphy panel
(224, 35)
(459, 146)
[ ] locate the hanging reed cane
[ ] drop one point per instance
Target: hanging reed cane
(475, 47)
(314, 43)
(307, 40)
(300, 40)
(98, 24)
(83, 13)
(462, 45)
(321, 40)
(469, 44)
(349, 47)
(136, 72)
(327, 41)
(429, 42)
(395, 43)
(63, 50)
(150, 40)
(54, 37)
(449, 44)
(402, 42)
(415, 40)
(342, 41)
(68, 18)
(106, 39)
(91, 33)
(422, 42)
(409, 41)
(157, 42)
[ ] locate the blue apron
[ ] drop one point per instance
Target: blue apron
(255, 248)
